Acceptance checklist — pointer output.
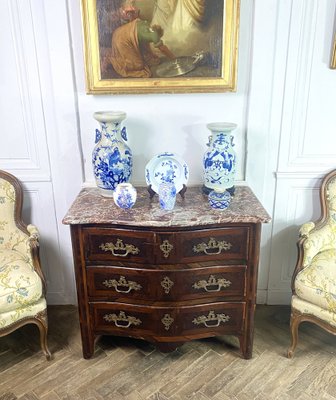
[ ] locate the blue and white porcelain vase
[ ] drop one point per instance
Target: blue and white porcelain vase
(125, 195)
(219, 198)
(167, 195)
(111, 157)
(219, 160)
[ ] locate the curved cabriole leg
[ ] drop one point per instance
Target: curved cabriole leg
(41, 321)
(294, 329)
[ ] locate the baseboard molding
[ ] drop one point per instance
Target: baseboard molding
(276, 297)
(262, 296)
(60, 298)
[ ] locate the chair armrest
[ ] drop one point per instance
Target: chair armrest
(34, 245)
(34, 236)
(33, 231)
(306, 228)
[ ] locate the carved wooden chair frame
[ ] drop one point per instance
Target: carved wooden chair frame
(296, 316)
(41, 319)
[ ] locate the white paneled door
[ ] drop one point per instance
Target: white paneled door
(307, 145)
(38, 141)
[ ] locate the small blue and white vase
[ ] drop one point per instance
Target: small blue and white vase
(125, 196)
(219, 160)
(111, 157)
(167, 195)
(219, 199)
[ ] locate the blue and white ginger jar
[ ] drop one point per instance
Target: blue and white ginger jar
(111, 157)
(125, 196)
(219, 160)
(219, 199)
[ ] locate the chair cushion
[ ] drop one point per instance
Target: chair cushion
(305, 307)
(20, 285)
(316, 283)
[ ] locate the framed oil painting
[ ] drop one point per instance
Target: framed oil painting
(160, 46)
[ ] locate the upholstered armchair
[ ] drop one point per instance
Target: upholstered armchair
(22, 284)
(314, 278)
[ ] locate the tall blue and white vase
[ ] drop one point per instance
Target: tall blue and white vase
(219, 160)
(167, 195)
(111, 157)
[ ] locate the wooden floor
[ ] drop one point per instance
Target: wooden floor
(199, 370)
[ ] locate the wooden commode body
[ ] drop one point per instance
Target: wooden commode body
(166, 277)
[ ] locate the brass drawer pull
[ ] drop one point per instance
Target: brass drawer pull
(211, 320)
(120, 249)
(167, 320)
(212, 281)
(167, 284)
(166, 248)
(212, 245)
(121, 321)
(122, 283)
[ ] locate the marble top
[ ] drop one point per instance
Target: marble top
(90, 207)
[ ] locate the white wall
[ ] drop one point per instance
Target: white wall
(304, 126)
(39, 138)
(283, 107)
(160, 122)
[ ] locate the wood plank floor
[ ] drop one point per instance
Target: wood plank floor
(199, 370)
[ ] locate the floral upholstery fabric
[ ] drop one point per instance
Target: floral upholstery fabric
(305, 307)
(20, 286)
(319, 240)
(11, 237)
(315, 284)
(10, 317)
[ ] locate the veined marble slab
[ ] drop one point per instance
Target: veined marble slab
(92, 208)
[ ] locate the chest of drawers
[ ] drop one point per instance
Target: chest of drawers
(166, 277)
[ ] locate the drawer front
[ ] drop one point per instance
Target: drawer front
(195, 321)
(102, 244)
(161, 285)
(123, 283)
(133, 320)
(212, 319)
(223, 244)
(223, 281)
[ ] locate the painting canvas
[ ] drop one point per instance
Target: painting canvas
(148, 46)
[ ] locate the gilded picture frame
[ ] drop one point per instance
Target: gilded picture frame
(195, 51)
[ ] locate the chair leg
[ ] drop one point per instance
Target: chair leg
(42, 323)
(294, 329)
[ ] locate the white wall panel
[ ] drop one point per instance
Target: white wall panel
(297, 202)
(58, 96)
(291, 120)
(307, 139)
(39, 133)
(12, 117)
(271, 23)
(303, 146)
(23, 149)
(38, 209)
